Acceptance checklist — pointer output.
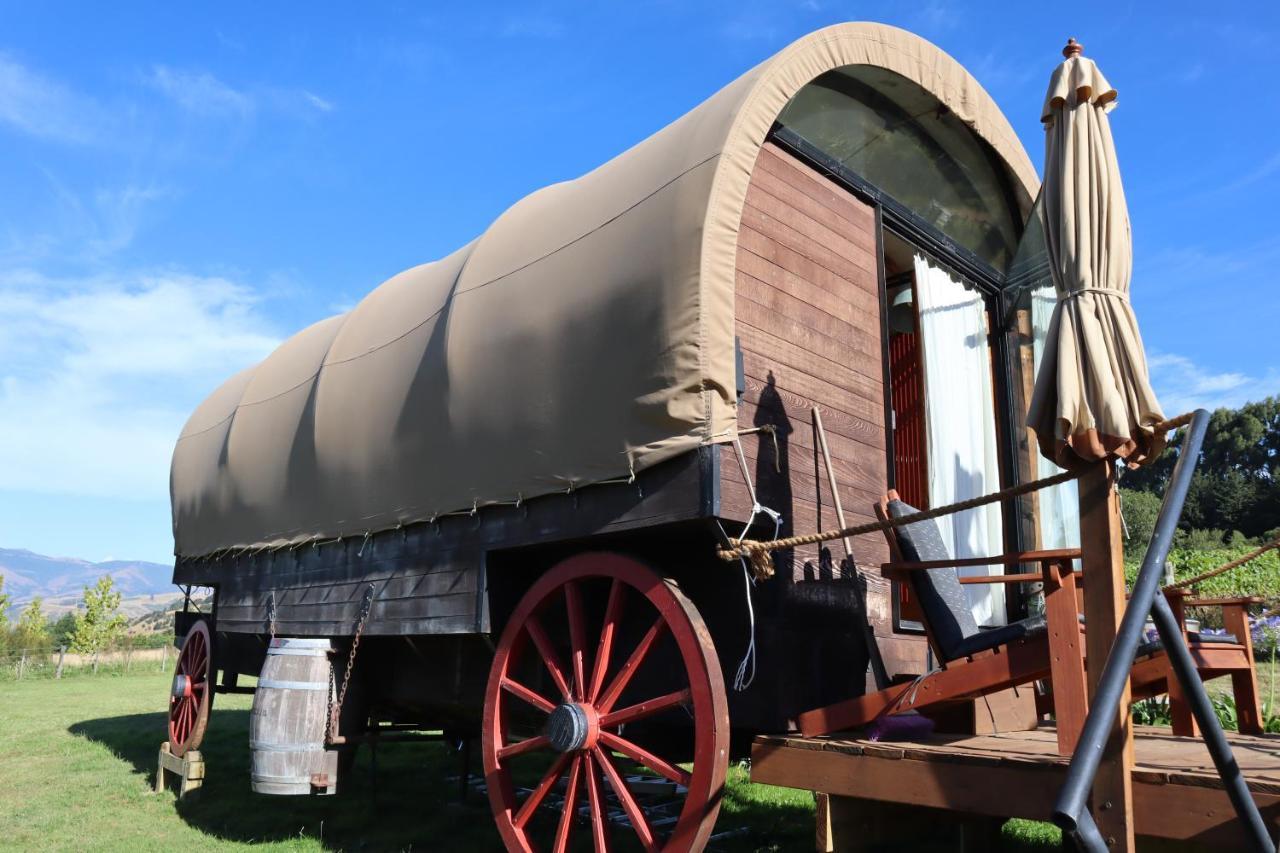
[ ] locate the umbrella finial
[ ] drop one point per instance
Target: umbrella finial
(1073, 48)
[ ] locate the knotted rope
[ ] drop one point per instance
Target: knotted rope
(756, 553)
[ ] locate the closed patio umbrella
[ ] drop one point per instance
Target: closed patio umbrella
(1093, 397)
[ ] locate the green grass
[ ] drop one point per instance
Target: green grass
(77, 758)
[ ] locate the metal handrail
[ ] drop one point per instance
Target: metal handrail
(1070, 811)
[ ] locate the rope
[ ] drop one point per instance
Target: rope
(1226, 567)
(754, 551)
(1173, 423)
(757, 552)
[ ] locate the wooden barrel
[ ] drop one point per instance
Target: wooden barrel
(287, 726)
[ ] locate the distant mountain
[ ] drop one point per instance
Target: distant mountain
(60, 581)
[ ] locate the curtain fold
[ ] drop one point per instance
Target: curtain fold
(960, 425)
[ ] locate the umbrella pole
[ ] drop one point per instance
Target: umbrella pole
(1102, 557)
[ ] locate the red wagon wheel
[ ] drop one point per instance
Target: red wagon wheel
(651, 667)
(191, 691)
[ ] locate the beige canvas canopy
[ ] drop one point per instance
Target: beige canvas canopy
(586, 335)
(1092, 396)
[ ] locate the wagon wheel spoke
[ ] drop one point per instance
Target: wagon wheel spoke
(520, 747)
(634, 813)
(599, 814)
(577, 639)
(647, 708)
(640, 755)
(623, 678)
(540, 793)
(599, 686)
(540, 639)
(569, 812)
(530, 696)
(612, 615)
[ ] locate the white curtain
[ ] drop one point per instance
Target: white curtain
(1059, 505)
(960, 425)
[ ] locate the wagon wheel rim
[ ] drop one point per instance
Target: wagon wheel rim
(191, 689)
(584, 717)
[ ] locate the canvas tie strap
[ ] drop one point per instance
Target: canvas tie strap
(1106, 291)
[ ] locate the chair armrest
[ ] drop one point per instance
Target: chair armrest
(1243, 600)
(999, 560)
(1022, 577)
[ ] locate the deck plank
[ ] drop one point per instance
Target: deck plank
(1177, 792)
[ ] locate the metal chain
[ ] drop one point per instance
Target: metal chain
(351, 658)
(271, 615)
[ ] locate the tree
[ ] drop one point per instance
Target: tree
(4, 606)
(32, 631)
(1236, 485)
(4, 616)
(1140, 510)
(100, 623)
(63, 629)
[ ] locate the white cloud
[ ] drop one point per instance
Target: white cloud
(199, 92)
(43, 107)
(1182, 385)
(97, 376)
(202, 94)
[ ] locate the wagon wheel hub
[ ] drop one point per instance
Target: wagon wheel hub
(182, 687)
(573, 726)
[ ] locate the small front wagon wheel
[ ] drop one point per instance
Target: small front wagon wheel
(192, 690)
(605, 706)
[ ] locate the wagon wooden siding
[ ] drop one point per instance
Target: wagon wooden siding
(808, 323)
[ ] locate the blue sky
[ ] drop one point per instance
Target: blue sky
(181, 188)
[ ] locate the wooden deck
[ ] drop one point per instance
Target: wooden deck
(1176, 791)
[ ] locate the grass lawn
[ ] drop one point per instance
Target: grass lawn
(77, 758)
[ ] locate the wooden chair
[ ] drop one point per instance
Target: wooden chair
(975, 662)
(979, 662)
(1214, 655)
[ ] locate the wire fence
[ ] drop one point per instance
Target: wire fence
(59, 661)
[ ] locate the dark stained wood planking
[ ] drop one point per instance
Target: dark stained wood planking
(768, 260)
(808, 322)
(795, 408)
(796, 229)
(818, 186)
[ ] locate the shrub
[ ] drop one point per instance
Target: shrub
(1260, 577)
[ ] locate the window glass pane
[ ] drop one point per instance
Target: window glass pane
(900, 138)
(1030, 286)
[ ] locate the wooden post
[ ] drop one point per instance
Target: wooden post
(22, 664)
(164, 657)
(62, 653)
(95, 662)
(190, 770)
(1102, 555)
(822, 840)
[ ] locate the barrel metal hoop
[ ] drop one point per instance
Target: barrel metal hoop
(304, 652)
(293, 685)
(263, 746)
(286, 780)
(300, 643)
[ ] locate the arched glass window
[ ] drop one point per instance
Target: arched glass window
(900, 138)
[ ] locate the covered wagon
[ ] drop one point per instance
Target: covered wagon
(487, 500)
